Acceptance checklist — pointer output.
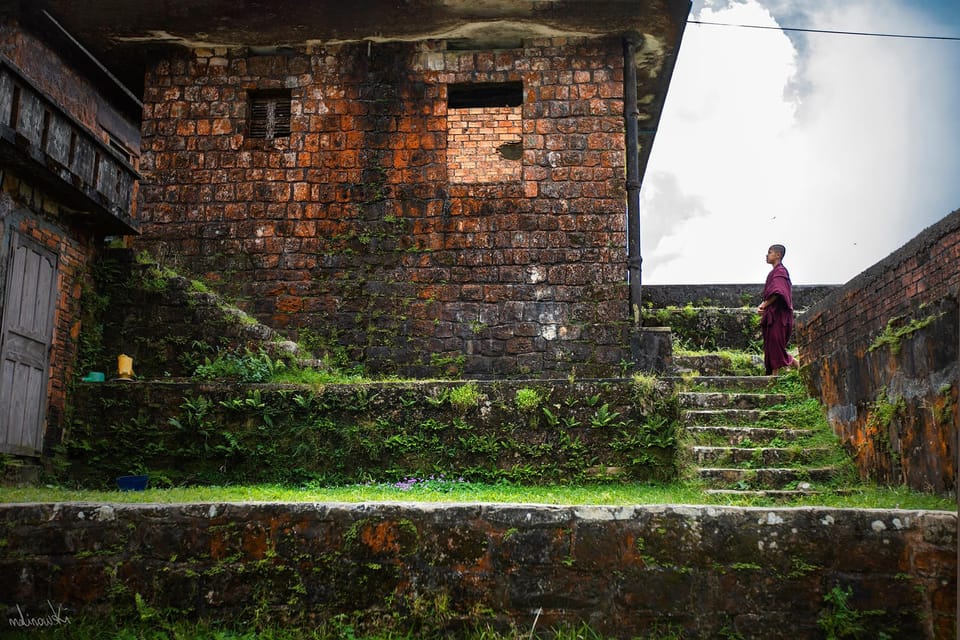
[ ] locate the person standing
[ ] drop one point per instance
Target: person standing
(776, 313)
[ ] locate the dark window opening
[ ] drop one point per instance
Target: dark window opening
(269, 114)
(469, 95)
(493, 43)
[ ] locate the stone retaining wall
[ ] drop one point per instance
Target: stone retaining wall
(882, 354)
(518, 431)
(710, 571)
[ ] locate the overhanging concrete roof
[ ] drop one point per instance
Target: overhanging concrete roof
(124, 34)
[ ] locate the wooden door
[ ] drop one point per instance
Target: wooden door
(30, 301)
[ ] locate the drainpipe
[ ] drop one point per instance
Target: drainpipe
(631, 116)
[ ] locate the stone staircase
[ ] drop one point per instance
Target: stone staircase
(740, 439)
(742, 432)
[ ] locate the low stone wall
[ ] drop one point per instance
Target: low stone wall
(708, 571)
(726, 295)
(529, 431)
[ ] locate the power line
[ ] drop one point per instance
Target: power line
(842, 33)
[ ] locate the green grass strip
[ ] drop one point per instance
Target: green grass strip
(453, 491)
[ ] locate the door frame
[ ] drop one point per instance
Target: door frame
(31, 436)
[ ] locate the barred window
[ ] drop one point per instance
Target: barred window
(269, 114)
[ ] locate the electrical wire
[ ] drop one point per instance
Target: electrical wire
(842, 33)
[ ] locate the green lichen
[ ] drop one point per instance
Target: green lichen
(895, 331)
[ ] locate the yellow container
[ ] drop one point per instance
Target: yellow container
(124, 366)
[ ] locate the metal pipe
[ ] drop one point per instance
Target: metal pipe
(631, 116)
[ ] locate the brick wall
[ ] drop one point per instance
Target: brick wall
(475, 138)
(922, 271)
(894, 400)
(353, 227)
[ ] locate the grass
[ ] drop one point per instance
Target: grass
(425, 490)
(334, 629)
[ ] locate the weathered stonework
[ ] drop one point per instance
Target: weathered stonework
(710, 571)
(716, 317)
(882, 354)
(547, 431)
(352, 227)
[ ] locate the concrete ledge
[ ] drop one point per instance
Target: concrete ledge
(761, 573)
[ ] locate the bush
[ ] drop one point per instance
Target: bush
(248, 367)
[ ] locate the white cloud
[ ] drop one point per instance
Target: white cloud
(832, 148)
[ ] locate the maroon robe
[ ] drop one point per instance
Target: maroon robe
(776, 323)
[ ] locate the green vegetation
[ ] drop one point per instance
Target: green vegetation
(152, 625)
(247, 367)
(860, 496)
(465, 397)
(839, 620)
(365, 432)
(896, 331)
(244, 368)
(528, 400)
(735, 363)
(708, 329)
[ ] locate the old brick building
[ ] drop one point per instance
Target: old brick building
(434, 186)
(430, 186)
(68, 145)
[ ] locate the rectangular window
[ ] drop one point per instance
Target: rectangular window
(473, 95)
(484, 132)
(269, 114)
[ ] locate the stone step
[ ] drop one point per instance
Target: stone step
(736, 436)
(763, 478)
(715, 365)
(734, 383)
(729, 400)
(765, 456)
(717, 417)
(21, 473)
(740, 444)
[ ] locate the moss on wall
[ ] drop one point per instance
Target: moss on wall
(483, 431)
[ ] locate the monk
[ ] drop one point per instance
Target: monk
(776, 313)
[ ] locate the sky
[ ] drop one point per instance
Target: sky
(840, 147)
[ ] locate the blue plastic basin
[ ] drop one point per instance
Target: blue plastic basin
(132, 483)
